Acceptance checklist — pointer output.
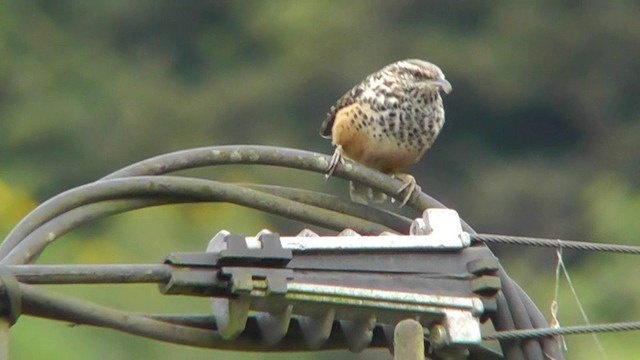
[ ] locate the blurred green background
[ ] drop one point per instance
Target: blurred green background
(542, 132)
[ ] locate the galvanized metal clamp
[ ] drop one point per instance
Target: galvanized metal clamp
(348, 282)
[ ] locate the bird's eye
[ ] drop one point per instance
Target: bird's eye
(417, 73)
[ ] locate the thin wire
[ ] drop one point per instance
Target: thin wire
(569, 330)
(580, 307)
(555, 322)
(565, 244)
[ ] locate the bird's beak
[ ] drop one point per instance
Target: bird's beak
(442, 84)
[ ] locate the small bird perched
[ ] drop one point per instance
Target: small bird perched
(388, 121)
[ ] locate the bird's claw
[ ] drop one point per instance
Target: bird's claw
(410, 186)
(336, 159)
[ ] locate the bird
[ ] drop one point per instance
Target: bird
(387, 122)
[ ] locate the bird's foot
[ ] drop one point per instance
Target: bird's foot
(410, 187)
(336, 159)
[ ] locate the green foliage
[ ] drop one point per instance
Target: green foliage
(14, 204)
(541, 136)
(613, 206)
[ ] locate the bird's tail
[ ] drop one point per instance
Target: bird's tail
(363, 194)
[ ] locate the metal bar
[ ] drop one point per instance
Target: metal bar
(372, 243)
(300, 290)
(90, 274)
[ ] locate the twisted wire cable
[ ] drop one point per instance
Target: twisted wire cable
(557, 243)
(567, 330)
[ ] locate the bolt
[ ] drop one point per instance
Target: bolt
(419, 227)
(438, 336)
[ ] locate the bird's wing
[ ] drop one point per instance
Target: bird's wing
(346, 100)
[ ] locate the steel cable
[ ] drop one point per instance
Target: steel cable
(567, 330)
(554, 243)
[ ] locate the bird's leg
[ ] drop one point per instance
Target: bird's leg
(410, 186)
(336, 159)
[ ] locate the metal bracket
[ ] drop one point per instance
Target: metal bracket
(246, 280)
(349, 282)
(233, 250)
(230, 267)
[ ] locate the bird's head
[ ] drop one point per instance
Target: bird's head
(424, 73)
